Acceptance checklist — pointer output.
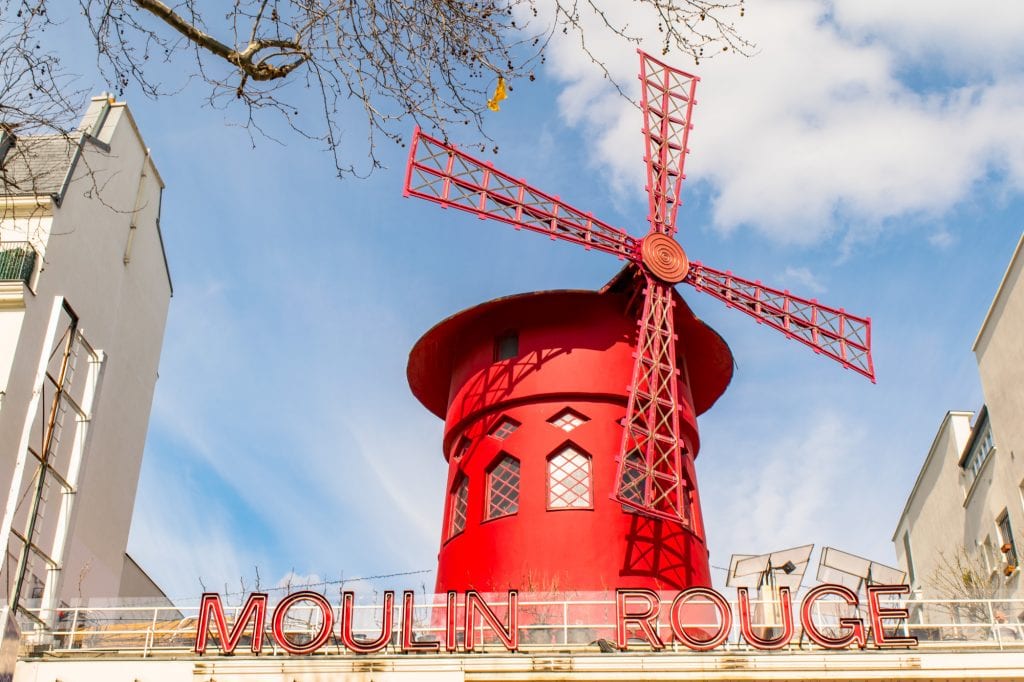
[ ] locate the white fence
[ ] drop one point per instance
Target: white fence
(546, 623)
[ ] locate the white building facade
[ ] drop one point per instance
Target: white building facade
(84, 294)
(961, 528)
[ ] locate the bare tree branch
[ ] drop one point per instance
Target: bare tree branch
(435, 62)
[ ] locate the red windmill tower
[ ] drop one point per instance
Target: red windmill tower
(570, 417)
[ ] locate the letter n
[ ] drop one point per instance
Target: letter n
(475, 604)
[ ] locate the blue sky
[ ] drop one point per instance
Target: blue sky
(868, 155)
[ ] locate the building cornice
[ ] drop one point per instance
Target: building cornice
(941, 663)
(12, 295)
(32, 206)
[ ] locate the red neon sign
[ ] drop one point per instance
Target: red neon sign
(326, 622)
(723, 615)
(747, 626)
(854, 625)
(700, 618)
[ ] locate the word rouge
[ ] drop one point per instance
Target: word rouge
(637, 612)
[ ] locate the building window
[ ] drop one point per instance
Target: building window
(988, 554)
(981, 448)
(567, 420)
(504, 428)
(459, 505)
(17, 261)
(632, 484)
(37, 588)
(503, 488)
(1020, 489)
(569, 480)
(910, 557)
(1007, 546)
(461, 448)
(506, 346)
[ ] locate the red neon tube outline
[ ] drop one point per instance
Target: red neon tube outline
(786, 603)
(326, 624)
(855, 625)
(387, 624)
(724, 612)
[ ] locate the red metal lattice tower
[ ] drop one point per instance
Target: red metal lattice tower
(651, 471)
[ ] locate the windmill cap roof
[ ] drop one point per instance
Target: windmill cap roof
(432, 360)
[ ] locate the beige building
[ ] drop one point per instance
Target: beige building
(965, 514)
(84, 293)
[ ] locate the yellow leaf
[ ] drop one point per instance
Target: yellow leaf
(500, 93)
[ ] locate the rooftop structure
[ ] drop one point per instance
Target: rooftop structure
(960, 532)
(84, 293)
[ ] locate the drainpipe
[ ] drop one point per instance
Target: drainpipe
(135, 210)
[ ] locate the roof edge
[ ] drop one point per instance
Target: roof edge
(149, 164)
(924, 465)
(999, 292)
(142, 141)
(980, 419)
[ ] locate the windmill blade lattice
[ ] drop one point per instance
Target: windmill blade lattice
(831, 331)
(667, 99)
(446, 175)
(652, 474)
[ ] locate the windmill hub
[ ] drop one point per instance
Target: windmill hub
(664, 257)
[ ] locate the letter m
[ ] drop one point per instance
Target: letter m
(255, 608)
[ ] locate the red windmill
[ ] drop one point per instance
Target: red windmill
(646, 531)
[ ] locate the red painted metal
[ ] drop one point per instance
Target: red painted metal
(651, 471)
(652, 476)
(667, 99)
(446, 175)
(830, 331)
(721, 613)
(576, 353)
(322, 634)
(781, 636)
(854, 627)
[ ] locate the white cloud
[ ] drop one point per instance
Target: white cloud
(788, 506)
(979, 36)
(197, 550)
(804, 279)
(293, 582)
(301, 454)
(782, 492)
(827, 130)
(941, 239)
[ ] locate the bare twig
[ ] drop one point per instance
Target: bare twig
(432, 61)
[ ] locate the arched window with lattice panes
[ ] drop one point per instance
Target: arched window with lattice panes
(458, 506)
(633, 486)
(503, 488)
(569, 479)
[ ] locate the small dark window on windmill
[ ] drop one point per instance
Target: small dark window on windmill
(506, 346)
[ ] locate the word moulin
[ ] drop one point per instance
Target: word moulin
(699, 618)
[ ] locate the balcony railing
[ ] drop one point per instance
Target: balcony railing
(17, 261)
(561, 623)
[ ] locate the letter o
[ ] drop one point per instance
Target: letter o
(326, 623)
(720, 604)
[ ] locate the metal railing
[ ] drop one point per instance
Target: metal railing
(577, 623)
(17, 261)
